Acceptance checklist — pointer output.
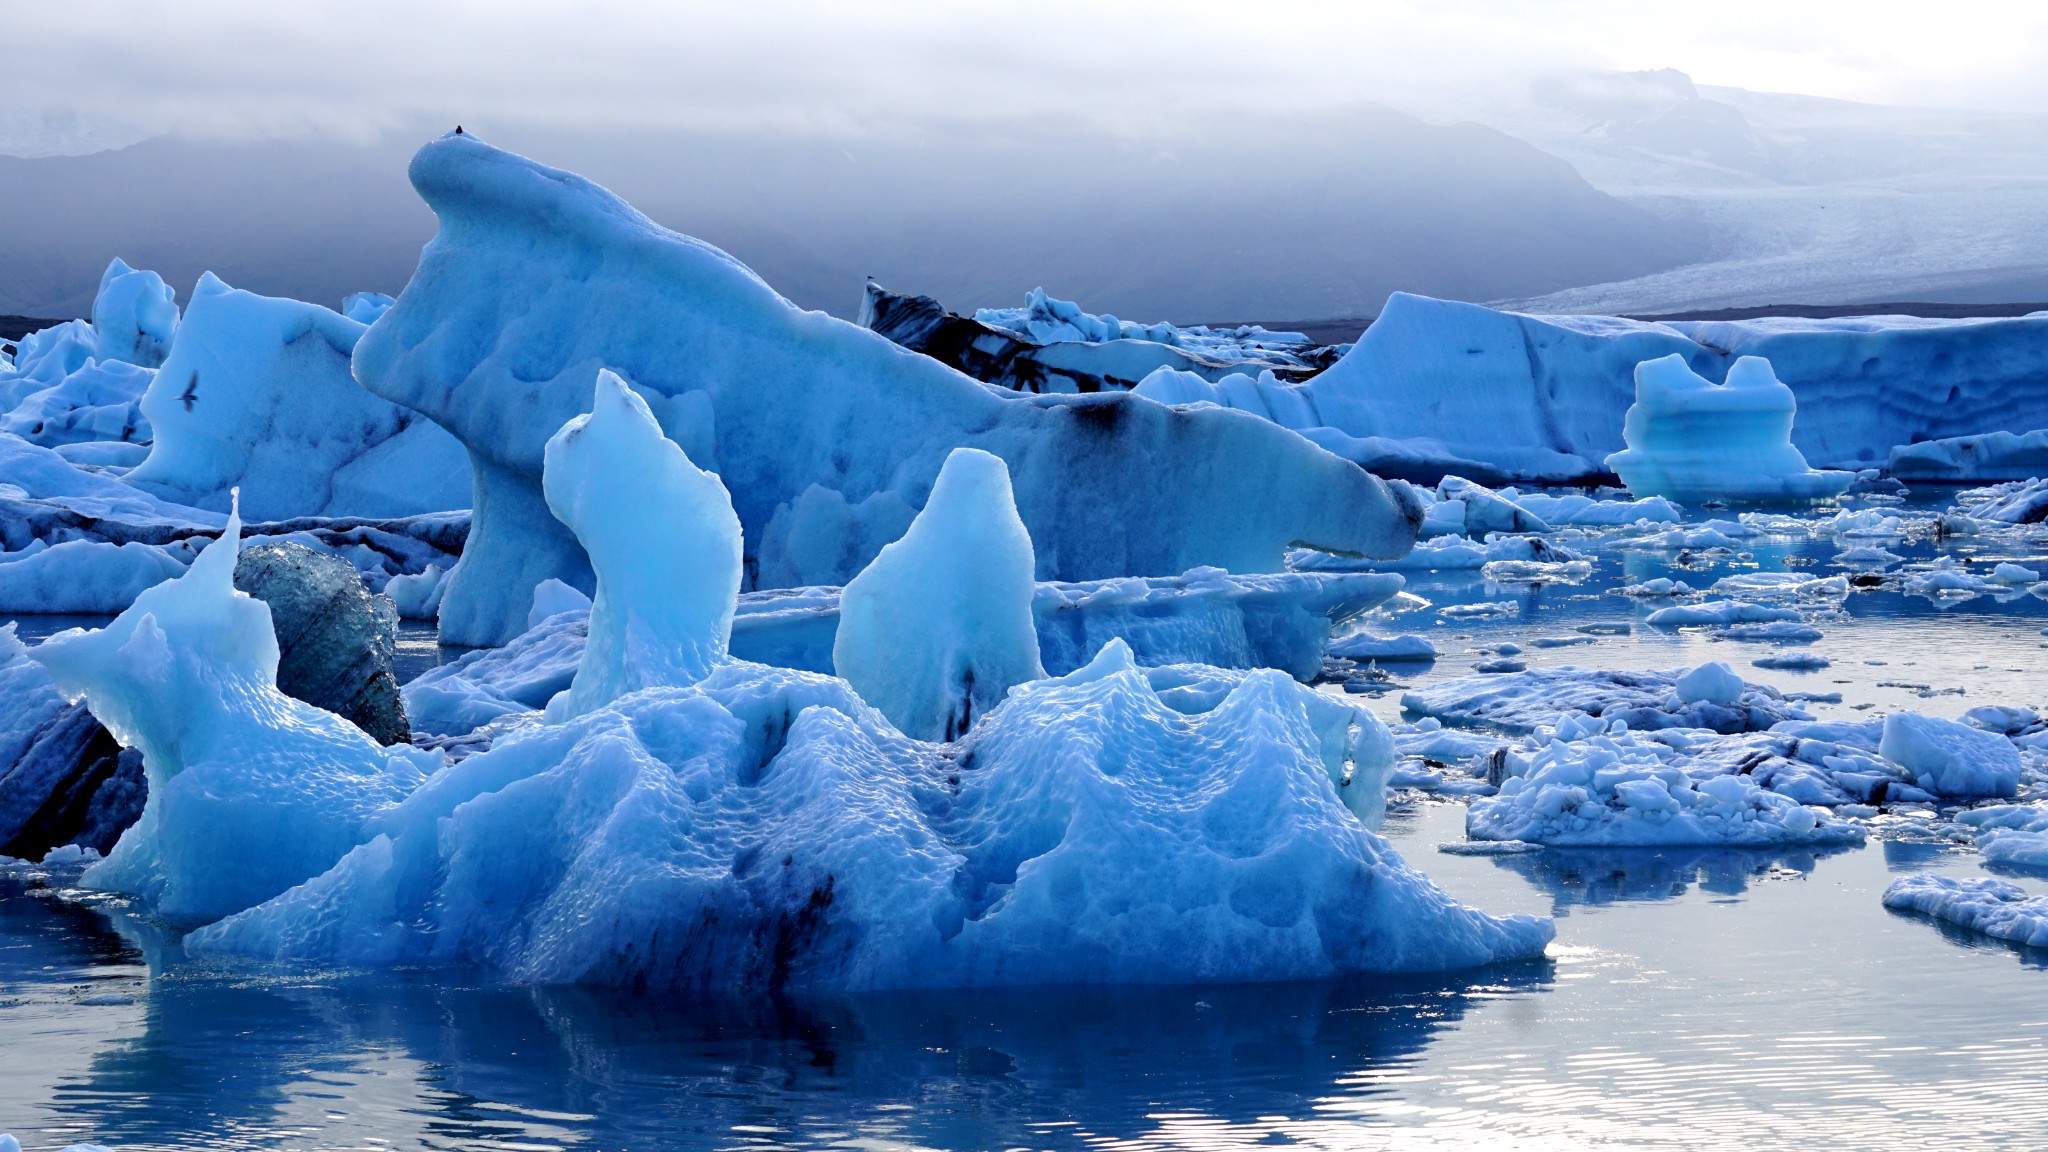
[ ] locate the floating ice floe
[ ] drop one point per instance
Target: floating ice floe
(2015, 835)
(1595, 784)
(1658, 588)
(1995, 908)
(1792, 662)
(257, 393)
(1586, 512)
(1771, 631)
(1691, 439)
(827, 435)
(1521, 702)
(1363, 646)
(1718, 612)
(250, 791)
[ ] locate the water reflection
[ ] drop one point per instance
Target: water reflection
(1595, 876)
(227, 1057)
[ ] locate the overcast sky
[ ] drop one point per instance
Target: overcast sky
(109, 71)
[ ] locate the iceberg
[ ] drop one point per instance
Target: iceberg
(250, 791)
(1693, 440)
(1951, 759)
(1555, 387)
(1996, 908)
(664, 541)
(538, 277)
(764, 830)
(938, 629)
(100, 402)
(1595, 784)
(335, 640)
(1988, 458)
(63, 779)
(257, 393)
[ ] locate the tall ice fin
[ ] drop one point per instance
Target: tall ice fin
(936, 631)
(664, 541)
(250, 791)
(134, 316)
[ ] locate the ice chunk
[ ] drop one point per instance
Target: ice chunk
(1711, 683)
(134, 316)
(257, 392)
(1951, 759)
(365, 307)
(418, 596)
(250, 791)
(1365, 646)
(1690, 439)
(1996, 908)
(1590, 787)
(765, 830)
(939, 628)
(1792, 662)
(662, 536)
(1717, 612)
(1992, 456)
(1488, 511)
(82, 576)
(63, 779)
(1586, 512)
(551, 597)
(535, 266)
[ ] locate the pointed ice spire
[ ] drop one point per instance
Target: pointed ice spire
(663, 539)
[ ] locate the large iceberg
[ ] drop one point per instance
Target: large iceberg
(538, 277)
(938, 629)
(663, 539)
(1693, 440)
(764, 829)
(250, 791)
(257, 393)
(1555, 387)
(134, 316)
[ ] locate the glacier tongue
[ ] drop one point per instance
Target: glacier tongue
(660, 533)
(939, 628)
(538, 276)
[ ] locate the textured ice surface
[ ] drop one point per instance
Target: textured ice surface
(1693, 440)
(2011, 834)
(1595, 784)
(662, 537)
(939, 627)
(257, 393)
(1555, 387)
(250, 791)
(1951, 759)
(1520, 702)
(817, 427)
(1996, 908)
(81, 576)
(62, 777)
(764, 830)
(1365, 646)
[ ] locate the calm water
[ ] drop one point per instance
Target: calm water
(1693, 1000)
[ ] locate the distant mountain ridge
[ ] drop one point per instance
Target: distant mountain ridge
(1320, 215)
